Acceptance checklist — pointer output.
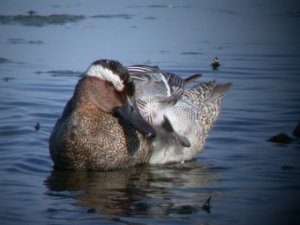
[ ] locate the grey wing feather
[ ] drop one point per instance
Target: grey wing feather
(173, 83)
(219, 91)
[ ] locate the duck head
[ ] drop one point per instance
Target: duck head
(113, 92)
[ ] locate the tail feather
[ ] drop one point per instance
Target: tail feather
(192, 78)
(219, 91)
(206, 92)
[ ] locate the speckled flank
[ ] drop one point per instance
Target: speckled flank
(93, 140)
(207, 97)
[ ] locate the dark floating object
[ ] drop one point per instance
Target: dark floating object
(34, 19)
(6, 79)
(215, 63)
(37, 126)
(91, 210)
(4, 60)
(61, 73)
(38, 20)
(296, 132)
(206, 206)
(191, 53)
(64, 73)
(113, 16)
(281, 138)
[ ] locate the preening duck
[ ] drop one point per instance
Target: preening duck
(101, 127)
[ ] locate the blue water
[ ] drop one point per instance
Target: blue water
(249, 179)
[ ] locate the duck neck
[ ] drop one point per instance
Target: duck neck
(92, 92)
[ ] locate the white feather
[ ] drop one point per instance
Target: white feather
(105, 74)
(166, 85)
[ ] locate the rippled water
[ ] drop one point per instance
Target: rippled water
(249, 179)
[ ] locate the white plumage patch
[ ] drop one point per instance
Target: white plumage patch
(105, 74)
(166, 85)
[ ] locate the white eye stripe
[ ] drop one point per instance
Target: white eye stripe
(105, 74)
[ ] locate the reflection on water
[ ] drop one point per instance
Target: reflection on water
(142, 191)
(250, 180)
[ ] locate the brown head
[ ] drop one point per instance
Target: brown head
(107, 86)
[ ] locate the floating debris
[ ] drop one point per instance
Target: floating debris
(191, 53)
(206, 206)
(37, 20)
(215, 63)
(22, 41)
(65, 73)
(281, 138)
(296, 131)
(37, 126)
(113, 16)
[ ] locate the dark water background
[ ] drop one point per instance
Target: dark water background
(250, 180)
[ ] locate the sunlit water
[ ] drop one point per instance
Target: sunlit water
(249, 179)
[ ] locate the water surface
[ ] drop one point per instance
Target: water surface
(249, 179)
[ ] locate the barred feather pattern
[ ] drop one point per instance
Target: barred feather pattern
(191, 112)
(193, 115)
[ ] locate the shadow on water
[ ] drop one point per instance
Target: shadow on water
(143, 192)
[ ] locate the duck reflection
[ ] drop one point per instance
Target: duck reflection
(148, 190)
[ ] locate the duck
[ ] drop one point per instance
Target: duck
(101, 127)
(191, 112)
(215, 63)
